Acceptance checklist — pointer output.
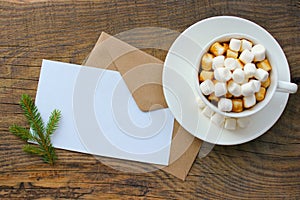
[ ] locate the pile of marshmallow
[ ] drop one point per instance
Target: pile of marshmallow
(228, 123)
(235, 74)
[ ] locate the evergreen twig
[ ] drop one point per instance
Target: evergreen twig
(38, 132)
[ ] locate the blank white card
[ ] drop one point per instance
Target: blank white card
(100, 116)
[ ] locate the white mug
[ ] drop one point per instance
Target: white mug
(275, 85)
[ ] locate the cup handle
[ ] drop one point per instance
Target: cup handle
(287, 87)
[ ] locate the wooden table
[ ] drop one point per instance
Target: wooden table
(30, 30)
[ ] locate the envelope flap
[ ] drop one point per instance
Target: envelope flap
(141, 71)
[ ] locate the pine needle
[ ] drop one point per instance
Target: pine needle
(33, 116)
(33, 149)
(21, 132)
(52, 124)
(38, 133)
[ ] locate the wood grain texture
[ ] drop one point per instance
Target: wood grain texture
(266, 168)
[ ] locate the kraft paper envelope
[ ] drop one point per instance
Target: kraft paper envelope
(143, 76)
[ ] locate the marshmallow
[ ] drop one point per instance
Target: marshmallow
(222, 74)
(200, 103)
(208, 112)
(206, 75)
(212, 97)
(259, 52)
(249, 101)
(246, 45)
(266, 83)
(206, 61)
(235, 44)
(246, 56)
(220, 89)
(249, 70)
(226, 46)
(260, 95)
(207, 87)
(231, 54)
(218, 61)
(230, 63)
(225, 105)
(261, 75)
(264, 65)
(218, 119)
(256, 84)
(238, 75)
(234, 89)
(230, 124)
(243, 122)
(248, 89)
(237, 105)
(217, 49)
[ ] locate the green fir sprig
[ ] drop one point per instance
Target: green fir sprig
(38, 132)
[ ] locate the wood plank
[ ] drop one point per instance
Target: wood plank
(66, 30)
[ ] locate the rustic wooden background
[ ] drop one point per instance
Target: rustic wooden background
(64, 30)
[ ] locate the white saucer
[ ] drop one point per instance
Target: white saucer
(179, 88)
